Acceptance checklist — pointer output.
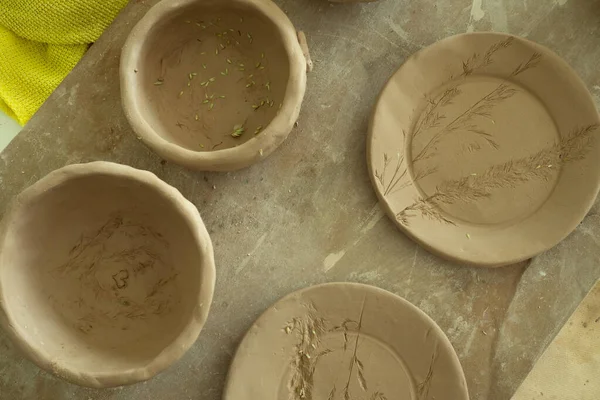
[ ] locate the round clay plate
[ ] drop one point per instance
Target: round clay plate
(345, 341)
(483, 149)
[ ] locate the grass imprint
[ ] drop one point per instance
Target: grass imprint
(542, 165)
(309, 330)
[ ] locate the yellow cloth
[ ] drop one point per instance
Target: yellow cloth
(40, 42)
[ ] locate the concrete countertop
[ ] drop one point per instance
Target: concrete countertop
(308, 213)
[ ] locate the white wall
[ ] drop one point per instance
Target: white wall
(8, 130)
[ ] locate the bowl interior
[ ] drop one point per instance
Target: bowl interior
(212, 75)
(100, 273)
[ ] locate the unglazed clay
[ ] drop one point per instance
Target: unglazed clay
(106, 274)
(483, 148)
(345, 341)
(213, 84)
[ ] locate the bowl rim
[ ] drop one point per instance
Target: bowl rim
(247, 153)
(189, 333)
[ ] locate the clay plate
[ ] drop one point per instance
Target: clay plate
(213, 84)
(345, 341)
(106, 274)
(483, 148)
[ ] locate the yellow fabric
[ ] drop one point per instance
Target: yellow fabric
(40, 42)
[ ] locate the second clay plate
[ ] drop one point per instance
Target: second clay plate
(345, 341)
(483, 148)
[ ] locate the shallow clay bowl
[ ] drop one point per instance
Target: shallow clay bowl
(213, 84)
(106, 274)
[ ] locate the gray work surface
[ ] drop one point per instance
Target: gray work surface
(308, 213)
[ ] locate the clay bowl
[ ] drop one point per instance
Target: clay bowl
(213, 84)
(106, 274)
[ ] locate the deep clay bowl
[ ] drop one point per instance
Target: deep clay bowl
(106, 274)
(213, 84)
